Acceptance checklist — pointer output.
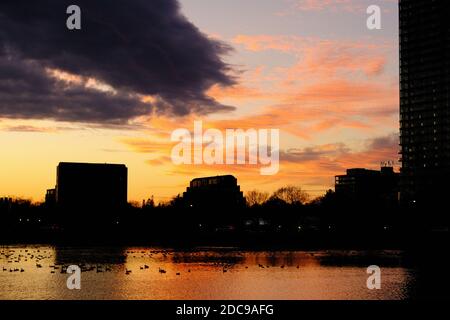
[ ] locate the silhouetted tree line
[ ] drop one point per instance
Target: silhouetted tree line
(287, 212)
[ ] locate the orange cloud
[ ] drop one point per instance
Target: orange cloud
(319, 5)
(332, 85)
(312, 167)
(352, 6)
(240, 92)
(267, 42)
(321, 57)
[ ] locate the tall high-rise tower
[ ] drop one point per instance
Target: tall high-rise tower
(425, 101)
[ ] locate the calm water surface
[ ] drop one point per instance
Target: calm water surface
(205, 273)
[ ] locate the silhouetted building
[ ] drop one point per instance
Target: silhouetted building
(220, 192)
(364, 186)
(425, 101)
(5, 205)
(50, 197)
(88, 185)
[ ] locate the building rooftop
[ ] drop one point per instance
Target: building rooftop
(90, 164)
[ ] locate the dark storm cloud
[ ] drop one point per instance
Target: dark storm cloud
(138, 47)
(26, 91)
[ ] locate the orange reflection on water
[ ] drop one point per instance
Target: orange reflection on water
(201, 274)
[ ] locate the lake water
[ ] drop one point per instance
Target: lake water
(204, 273)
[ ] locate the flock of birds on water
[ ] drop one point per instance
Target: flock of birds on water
(38, 256)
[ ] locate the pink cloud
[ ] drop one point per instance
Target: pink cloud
(336, 5)
(322, 56)
(319, 5)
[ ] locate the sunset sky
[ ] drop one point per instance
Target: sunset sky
(115, 91)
